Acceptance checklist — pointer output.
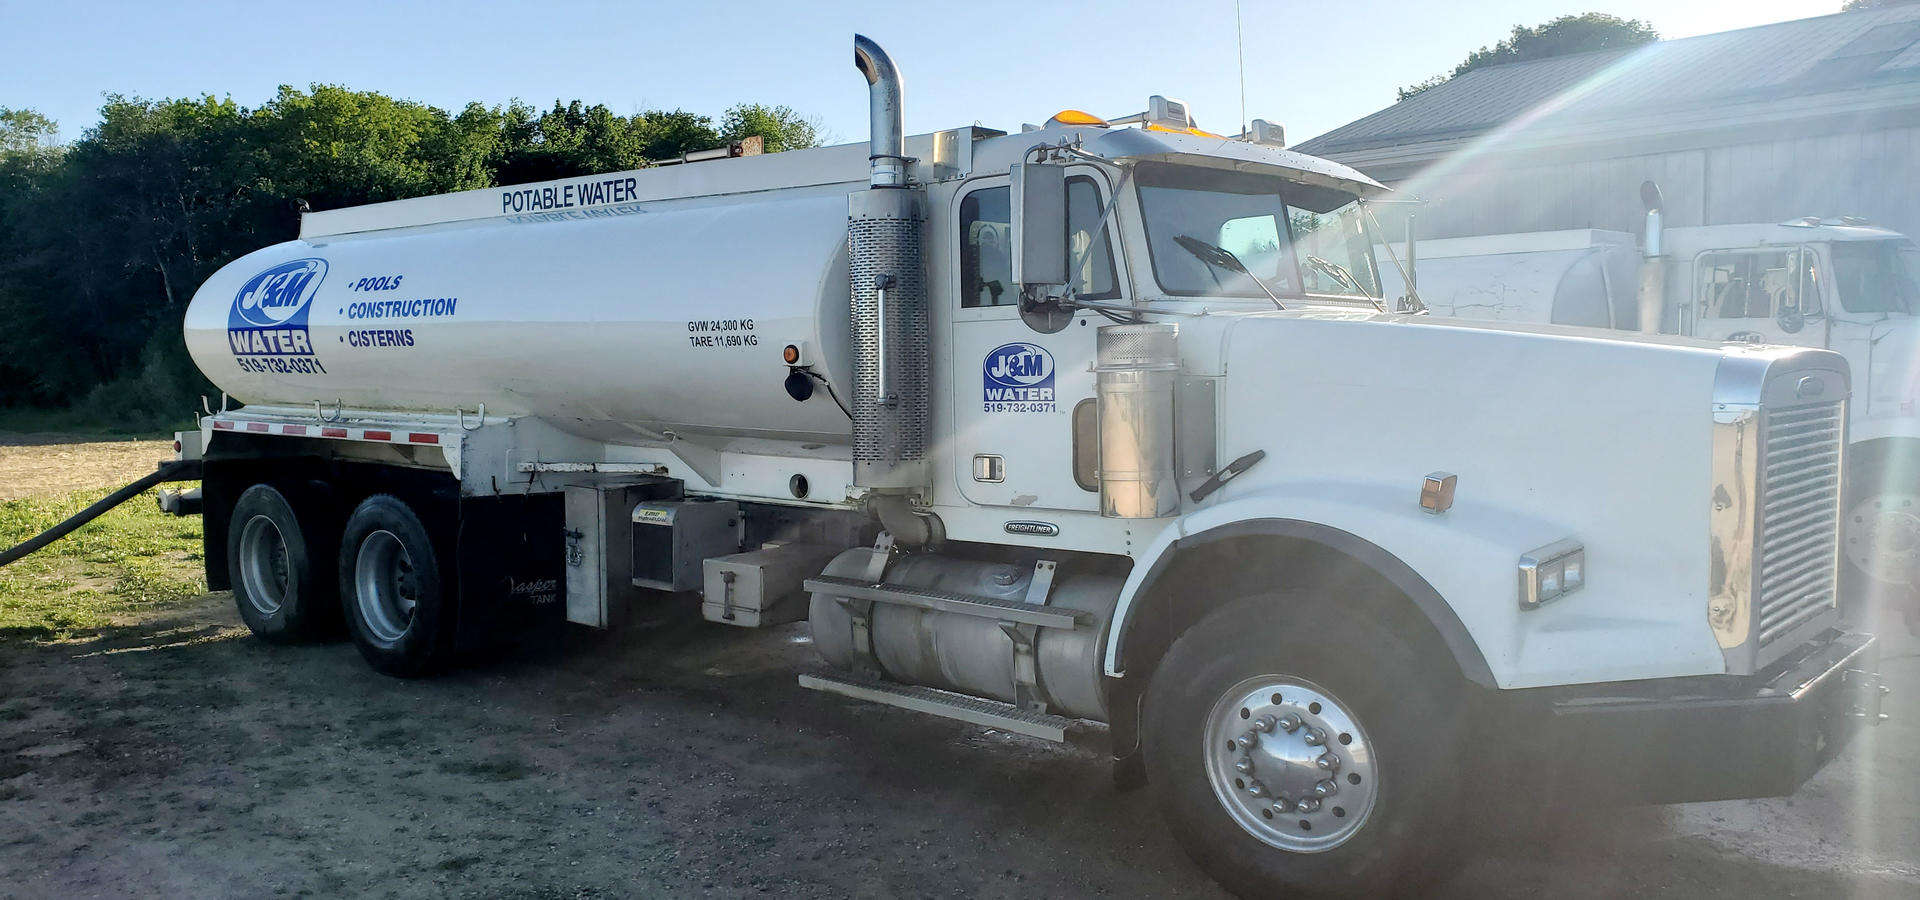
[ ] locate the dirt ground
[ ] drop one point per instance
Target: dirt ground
(180, 757)
(46, 463)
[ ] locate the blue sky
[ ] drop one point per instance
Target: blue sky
(1309, 65)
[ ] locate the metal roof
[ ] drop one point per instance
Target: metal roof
(1805, 56)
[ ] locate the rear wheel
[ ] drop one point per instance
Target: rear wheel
(1297, 749)
(391, 589)
(271, 563)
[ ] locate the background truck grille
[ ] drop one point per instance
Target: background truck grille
(1799, 518)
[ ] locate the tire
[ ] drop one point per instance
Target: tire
(1879, 543)
(391, 589)
(273, 558)
(1350, 690)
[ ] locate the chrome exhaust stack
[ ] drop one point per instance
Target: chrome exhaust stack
(889, 297)
(887, 145)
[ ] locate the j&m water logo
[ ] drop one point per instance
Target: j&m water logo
(267, 326)
(1018, 378)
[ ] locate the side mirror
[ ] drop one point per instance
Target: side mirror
(1039, 206)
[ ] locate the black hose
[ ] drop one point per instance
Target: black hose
(176, 470)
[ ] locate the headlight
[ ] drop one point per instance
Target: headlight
(1558, 569)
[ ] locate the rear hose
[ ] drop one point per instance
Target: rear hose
(176, 470)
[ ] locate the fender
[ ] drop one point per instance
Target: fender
(1639, 616)
(1466, 653)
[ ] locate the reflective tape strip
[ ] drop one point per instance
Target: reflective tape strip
(419, 437)
(376, 435)
(333, 432)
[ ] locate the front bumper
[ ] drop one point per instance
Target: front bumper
(1684, 740)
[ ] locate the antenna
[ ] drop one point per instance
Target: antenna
(1240, 48)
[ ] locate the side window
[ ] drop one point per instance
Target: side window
(1756, 285)
(986, 241)
(1093, 279)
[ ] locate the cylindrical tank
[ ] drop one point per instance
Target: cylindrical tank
(672, 317)
(970, 654)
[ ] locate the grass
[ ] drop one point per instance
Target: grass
(67, 421)
(132, 560)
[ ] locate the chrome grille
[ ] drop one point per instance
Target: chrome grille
(1799, 517)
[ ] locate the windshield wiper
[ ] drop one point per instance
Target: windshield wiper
(1339, 274)
(1223, 258)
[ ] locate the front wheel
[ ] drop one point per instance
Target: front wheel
(1880, 543)
(1301, 749)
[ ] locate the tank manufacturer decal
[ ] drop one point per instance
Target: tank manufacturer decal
(267, 325)
(1018, 378)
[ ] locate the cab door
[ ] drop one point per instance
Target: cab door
(1016, 387)
(1763, 294)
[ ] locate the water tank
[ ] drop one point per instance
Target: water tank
(670, 316)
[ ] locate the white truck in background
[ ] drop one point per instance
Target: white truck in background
(1837, 284)
(1011, 424)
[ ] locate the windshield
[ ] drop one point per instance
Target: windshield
(1877, 276)
(1299, 240)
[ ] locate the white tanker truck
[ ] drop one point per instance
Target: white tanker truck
(1009, 421)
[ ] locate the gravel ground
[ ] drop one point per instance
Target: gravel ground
(176, 756)
(182, 758)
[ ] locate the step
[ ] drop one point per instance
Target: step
(945, 704)
(947, 601)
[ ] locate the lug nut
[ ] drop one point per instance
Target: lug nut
(1256, 789)
(1325, 789)
(1328, 762)
(1311, 804)
(1243, 765)
(1289, 723)
(1246, 741)
(1263, 724)
(1282, 806)
(1315, 737)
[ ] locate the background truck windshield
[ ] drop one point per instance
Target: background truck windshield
(1877, 276)
(1299, 240)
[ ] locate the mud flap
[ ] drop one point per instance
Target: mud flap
(511, 570)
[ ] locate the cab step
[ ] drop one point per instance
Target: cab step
(947, 601)
(945, 704)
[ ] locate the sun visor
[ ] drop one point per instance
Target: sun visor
(1141, 145)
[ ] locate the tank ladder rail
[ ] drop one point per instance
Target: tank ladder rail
(946, 704)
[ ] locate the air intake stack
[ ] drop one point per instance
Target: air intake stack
(890, 340)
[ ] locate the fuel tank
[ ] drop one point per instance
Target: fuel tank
(665, 316)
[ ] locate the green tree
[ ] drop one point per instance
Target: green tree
(23, 131)
(779, 126)
(1559, 37)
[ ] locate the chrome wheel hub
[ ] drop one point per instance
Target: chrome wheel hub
(264, 571)
(386, 588)
(1290, 764)
(1883, 537)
